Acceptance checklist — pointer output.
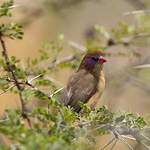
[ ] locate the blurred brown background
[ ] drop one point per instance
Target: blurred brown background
(44, 23)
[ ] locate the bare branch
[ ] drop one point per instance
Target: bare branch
(114, 144)
(1, 121)
(7, 89)
(130, 138)
(56, 92)
(76, 45)
(14, 6)
(66, 59)
(38, 76)
(108, 143)
(148, 139)
(145, 145)
(142, 35)
(123, 140)
(121, 131)
(136, 12)
(142, 66)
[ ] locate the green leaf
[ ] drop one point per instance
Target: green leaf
(5, 8)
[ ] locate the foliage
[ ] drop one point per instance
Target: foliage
(55, 126)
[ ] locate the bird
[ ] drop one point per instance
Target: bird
(87, 84)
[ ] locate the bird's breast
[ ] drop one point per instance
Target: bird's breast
(100, 87)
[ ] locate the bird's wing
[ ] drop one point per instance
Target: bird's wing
(80, 88)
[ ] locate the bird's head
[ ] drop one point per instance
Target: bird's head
(93, 62)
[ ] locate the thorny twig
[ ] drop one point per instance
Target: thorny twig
(28, 83)
(12, 72)
(20, 88)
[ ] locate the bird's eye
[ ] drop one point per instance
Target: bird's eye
(95, 58)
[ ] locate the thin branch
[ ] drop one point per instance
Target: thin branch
(135, 12)
(13, 73)
(114, 144)
(50, 96)
(106, 126)
(107, 144)
(16, 83)
(122, 139)
(27, 82)
(76, 45)
(145, 145)
(7, 89)
(66, 59)
(1, 121)
(38, 76)
(55, 63)
(127, 137)
(14, 6)
(142, 66)
(121, 131)
(142, 35)
(147, 138)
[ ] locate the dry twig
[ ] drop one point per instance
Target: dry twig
(107, 144)
(114, 144)
(16, 82)
(14, 6)
(135, 12)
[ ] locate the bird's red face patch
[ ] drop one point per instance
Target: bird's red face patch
(102, 59)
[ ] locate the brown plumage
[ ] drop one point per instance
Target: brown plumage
(87, 84)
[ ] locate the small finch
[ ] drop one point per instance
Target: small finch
(87, 84)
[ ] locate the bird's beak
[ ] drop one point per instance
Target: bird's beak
(102, 59)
